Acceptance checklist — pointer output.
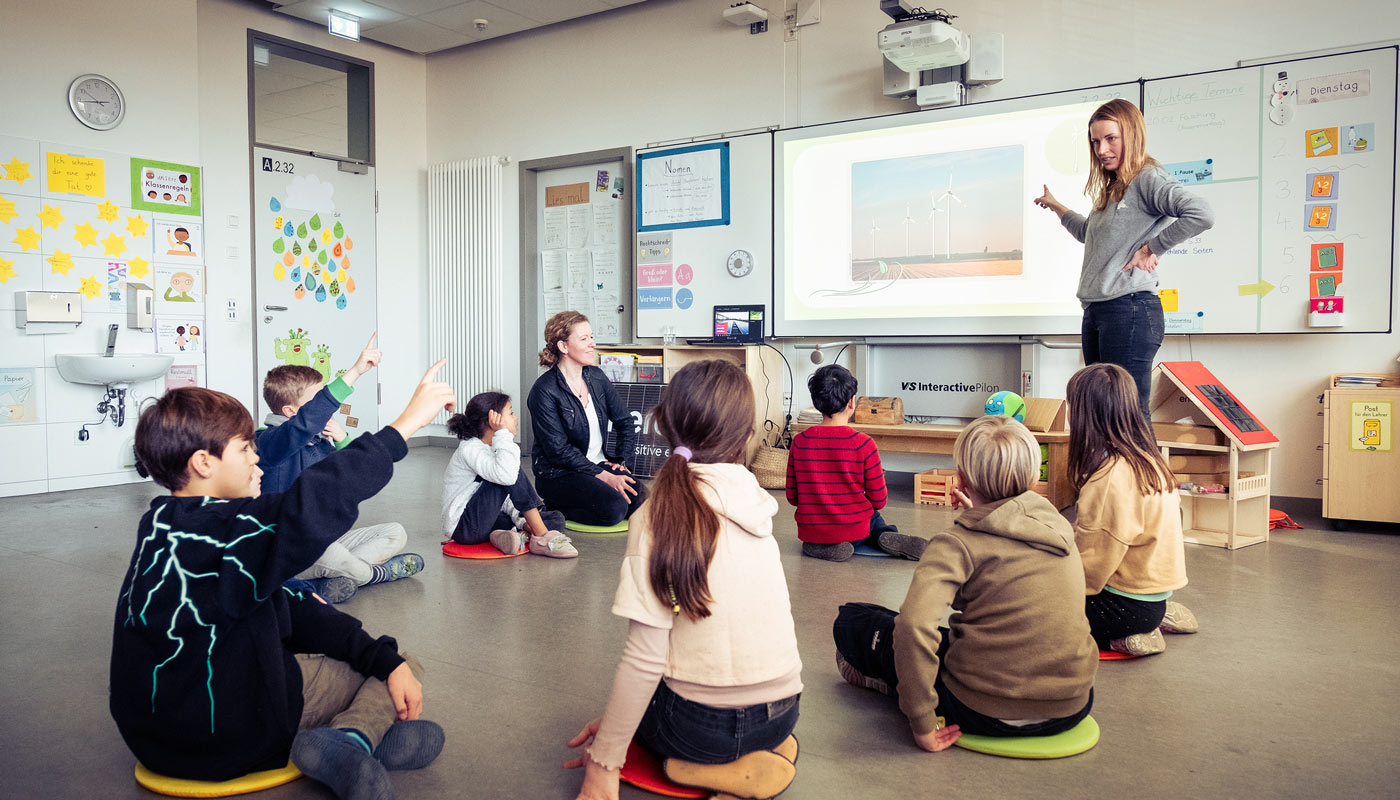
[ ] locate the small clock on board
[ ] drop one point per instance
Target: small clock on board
(740, 263)
(96, 102)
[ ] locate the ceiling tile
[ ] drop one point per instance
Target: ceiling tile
(414, 8)
(371, 16)
(271, 81)
(549, 11)
(460, 18)
(419, 36)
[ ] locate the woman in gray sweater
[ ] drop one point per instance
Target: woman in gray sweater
(1139, 213)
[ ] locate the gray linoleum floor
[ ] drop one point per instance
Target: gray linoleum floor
(1290, 690)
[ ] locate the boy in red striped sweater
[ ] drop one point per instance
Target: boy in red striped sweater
(835, 479)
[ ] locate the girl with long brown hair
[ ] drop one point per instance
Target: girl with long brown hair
(1140, 212)
(711, 645)
(1129, 516)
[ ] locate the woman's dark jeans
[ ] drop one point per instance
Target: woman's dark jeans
(1126, 331)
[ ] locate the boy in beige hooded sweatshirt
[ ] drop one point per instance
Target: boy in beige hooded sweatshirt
(1019, 660)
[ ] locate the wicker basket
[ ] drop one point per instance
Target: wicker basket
(769, 465)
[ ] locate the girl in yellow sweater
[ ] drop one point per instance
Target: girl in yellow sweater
(1129, 524)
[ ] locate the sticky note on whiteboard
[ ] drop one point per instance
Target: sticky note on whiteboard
(1169, 299)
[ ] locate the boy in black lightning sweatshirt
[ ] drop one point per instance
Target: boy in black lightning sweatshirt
(217, 669)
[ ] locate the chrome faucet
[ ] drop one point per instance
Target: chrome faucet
(112, 339)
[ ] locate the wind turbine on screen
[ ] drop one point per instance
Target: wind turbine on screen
(948, 215)
(932, 227)
(908, 220)
(873, 228)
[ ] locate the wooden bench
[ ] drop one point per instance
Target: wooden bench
(912, 437)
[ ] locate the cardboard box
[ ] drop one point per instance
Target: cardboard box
(1187, 434)
(1201, 463)
(1047, 414)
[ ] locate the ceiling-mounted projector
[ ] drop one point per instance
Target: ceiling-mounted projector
(917, 45)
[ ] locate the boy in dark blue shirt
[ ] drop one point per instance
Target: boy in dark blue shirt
(219, 670)
(301, 431)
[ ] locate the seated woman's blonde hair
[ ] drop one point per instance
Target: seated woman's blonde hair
(998, 457)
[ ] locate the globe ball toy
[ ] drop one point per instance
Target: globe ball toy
(1007, 404)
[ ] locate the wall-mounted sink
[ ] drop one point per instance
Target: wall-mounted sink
(122, 368)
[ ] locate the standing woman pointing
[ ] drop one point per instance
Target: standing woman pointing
(1139, 213)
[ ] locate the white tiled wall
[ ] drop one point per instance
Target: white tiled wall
(46, 455)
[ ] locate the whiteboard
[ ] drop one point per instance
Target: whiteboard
(922, 223)
(1302, 181)
(680, 288)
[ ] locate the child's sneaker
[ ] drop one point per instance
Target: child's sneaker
(403, 565)
(859, 679)
(902, 544)
(1140, 644)
(1179, 619)
(553, 545)
(841, 551)
(335, 590)
(509, 541)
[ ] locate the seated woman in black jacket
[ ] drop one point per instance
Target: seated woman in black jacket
(570, 408)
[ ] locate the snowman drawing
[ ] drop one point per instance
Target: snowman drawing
(1281, 101)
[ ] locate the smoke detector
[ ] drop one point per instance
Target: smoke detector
(480, 25)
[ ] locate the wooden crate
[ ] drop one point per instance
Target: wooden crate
(934, 487)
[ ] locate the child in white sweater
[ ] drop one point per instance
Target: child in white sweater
(485, 493)
(710, 676)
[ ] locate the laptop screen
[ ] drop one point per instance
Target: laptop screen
(739, 323)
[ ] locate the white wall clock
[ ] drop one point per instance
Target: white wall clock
(96, 102)
(740, 263)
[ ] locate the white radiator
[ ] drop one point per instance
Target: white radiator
(466, 310)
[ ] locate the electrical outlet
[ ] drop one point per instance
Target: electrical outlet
(787, 397)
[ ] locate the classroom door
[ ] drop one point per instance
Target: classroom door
(314, 268)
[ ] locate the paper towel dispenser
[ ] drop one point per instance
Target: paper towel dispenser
(48, 312)
(140, 301)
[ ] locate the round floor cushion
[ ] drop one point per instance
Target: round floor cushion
(184, 787)
(479, 551)
(1072, 742)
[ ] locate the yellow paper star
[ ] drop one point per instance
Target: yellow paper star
(137, 267)
(7, 211)
(50, 217)
(17, 171)
(90, 288)
(136, 226)
(6, 270)
(61, 262)
(85, 234)
(27, 239)
(106, 211)
(113, 245)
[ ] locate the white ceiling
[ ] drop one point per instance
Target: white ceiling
(300, 105)
(427, 26)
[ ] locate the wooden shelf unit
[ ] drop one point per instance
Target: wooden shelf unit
(1357, 482)
(1239, 517)
(763, 365)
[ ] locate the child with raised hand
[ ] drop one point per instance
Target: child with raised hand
(300, 431)
(485, 493)
(218, 669)
(836, 480)
(710, 673)
(1129, 516)
(1016, 658)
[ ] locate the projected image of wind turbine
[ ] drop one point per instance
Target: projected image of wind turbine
(932, 227)
(944, 198)
(908, 220)
(873, 229)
